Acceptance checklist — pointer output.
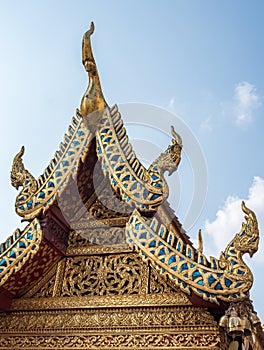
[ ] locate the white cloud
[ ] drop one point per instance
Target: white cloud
(230, 216)
(206, 125)
(246, 101)
(172, 103)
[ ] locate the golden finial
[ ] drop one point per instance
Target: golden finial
(93, 99)
(200, 241)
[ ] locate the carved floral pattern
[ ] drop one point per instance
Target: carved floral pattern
(102, 341)
(100, 236)
(101, 301)
(47, 289)
(179, 317)
(102, 275)
(157, 284)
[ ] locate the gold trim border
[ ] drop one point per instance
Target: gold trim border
(105, 301)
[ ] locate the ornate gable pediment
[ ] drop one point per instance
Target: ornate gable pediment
(104, 262)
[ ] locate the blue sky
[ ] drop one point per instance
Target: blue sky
(200, 60)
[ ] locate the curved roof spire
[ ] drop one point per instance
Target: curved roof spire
(93, 99)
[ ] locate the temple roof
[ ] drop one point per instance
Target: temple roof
(95, 165)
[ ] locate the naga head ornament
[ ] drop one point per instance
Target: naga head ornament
(170, 159)
(21, 176)
(18, 170)
(174, 150)
(247, 240)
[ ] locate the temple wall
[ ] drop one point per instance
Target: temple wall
(104, 297)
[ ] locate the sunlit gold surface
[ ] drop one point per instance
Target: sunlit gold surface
(39, 195)
(148, 313)
(227, 279)
(136, 185)
(93, 98)
(99, 292)
(241, 322)
(20, 251)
